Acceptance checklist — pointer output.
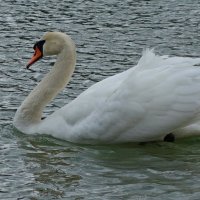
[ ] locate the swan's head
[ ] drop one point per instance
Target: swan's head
(51, 43)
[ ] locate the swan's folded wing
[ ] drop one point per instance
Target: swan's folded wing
(169, 95)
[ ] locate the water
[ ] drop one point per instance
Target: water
(110, 36)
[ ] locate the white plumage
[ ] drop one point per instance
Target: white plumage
(158, 96)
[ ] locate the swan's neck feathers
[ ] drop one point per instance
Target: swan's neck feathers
(30, 112)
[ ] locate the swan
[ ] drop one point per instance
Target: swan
(157, 97)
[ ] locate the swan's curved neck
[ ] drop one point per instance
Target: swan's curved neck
(30, 111)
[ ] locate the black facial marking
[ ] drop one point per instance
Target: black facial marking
(39, 45)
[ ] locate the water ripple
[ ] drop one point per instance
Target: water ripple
(110, 36)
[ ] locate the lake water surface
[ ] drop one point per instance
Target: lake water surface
(110, 36)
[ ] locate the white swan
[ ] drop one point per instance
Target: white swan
(145, 103)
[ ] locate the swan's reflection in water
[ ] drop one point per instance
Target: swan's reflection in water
(51, 163)
(64, 170)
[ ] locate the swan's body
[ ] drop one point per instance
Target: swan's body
(145, 103)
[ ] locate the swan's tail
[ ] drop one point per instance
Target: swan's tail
(150, 60)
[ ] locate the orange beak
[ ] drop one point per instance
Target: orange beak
(36, 56)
